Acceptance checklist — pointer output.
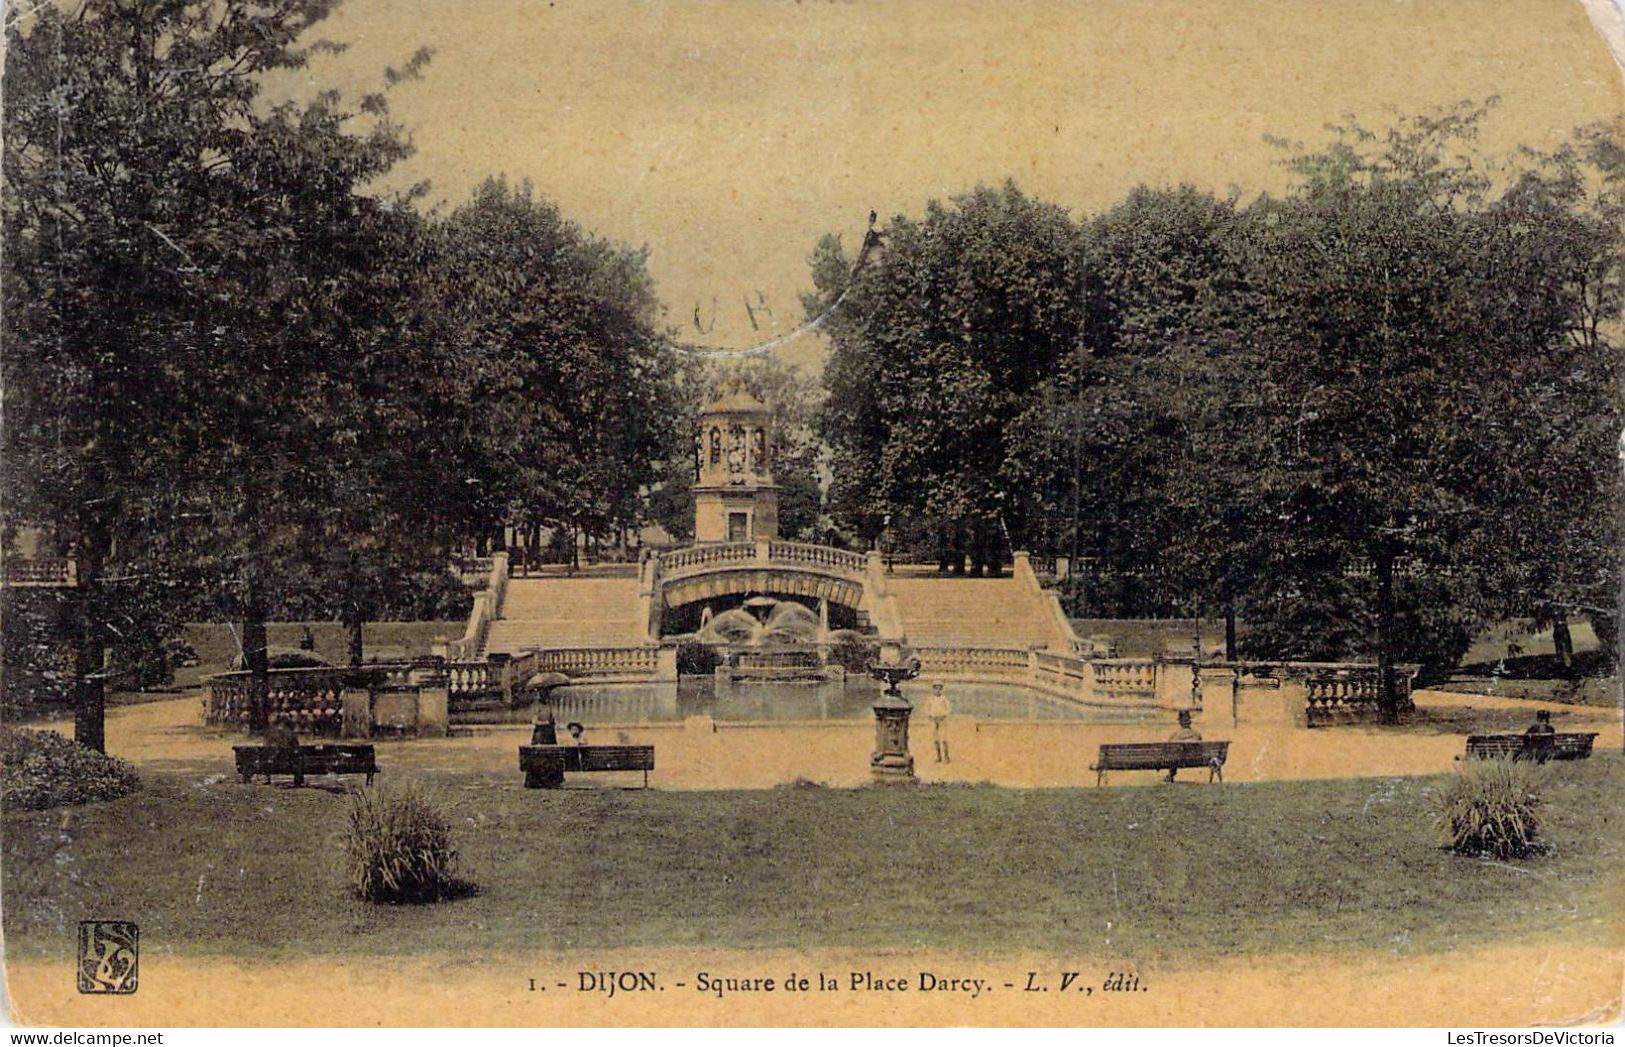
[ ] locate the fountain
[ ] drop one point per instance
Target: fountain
(891, 763)
(767, 639)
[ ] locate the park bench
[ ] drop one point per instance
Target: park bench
(1161, 756)
(545, 765)
(304, 759)
(1536, 747)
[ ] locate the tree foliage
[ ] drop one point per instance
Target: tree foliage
(942, 340)
(578, 397)
(240, 378)
(1367, 415)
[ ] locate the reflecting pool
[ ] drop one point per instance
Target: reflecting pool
(770, 701)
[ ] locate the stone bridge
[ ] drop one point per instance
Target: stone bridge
(738, 568)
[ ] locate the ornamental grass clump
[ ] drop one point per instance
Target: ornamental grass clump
(40, 769)
(1491, 809)
(399, 848)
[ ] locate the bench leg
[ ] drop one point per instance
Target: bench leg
(369, 778)
(299, 779)
(1214, 773)
(1100, 778)
(645, 779)
(543, 780)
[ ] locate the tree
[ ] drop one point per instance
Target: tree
(1422, 380)
(1552, 551)
(579, 398)
(188, 270)
(941, 339)
(1137, 443)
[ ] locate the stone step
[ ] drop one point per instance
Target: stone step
(567, 612)
(972, 612)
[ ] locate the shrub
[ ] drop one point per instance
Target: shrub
(697, 659)
(40, 769)
(1491, 808)
(854, 655)
(398, 848)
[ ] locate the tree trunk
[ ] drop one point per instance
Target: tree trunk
(1388, 695)
(355, 626)
(89, 681)
(257, 659)
(1604, 626)
(89, 656)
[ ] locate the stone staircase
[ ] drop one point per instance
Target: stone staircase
(973, 612)
(567, 612)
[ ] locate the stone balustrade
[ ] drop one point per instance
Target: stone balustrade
(1350, 693)
(766, 553)
(39, 571)
(469, 679)
(702, 556)
(597, 661)
(1134, 678)
(310, 700)
(817, 555)
(487, 605)
(973, 660)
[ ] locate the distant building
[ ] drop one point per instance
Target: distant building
(735, 498)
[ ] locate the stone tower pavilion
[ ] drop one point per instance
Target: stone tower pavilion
(735, 498)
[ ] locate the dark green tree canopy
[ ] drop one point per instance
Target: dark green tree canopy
(952, 325)
(1368, 415)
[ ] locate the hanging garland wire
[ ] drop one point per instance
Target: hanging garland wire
(871, 240)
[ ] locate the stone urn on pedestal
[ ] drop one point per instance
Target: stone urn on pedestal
(892, 763)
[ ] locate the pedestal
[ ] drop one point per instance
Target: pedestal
(892, 763)
(357, 704)
(434, 719)
(434, 697)
(666, 664)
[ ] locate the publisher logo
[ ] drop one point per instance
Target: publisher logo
(109, 956)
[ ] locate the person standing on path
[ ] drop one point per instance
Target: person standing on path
(938, 709)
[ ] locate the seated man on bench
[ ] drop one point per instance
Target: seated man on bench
(1183, 733)
(1542, 725)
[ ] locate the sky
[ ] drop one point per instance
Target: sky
(728, 135)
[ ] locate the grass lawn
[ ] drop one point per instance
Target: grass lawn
(217, 643)
(1601, 691)
(1517, 637)
(1146, 637)
(1313, 865)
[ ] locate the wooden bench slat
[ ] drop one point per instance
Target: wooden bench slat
(306, 759)
(1160, 756)
(545, 765)
(1569, 745)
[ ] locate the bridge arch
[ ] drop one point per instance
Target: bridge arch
(816, 572)
(764, 582)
